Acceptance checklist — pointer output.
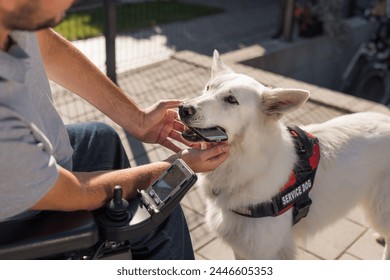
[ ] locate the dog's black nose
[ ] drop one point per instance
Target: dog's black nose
(186, 110)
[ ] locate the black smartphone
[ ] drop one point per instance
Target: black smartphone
(213, 134)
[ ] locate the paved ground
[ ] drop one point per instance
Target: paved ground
(183, 71)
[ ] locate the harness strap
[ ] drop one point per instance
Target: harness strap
(295, 193)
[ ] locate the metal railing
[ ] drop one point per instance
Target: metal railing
(120, 35)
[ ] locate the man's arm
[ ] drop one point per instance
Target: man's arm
(68, 67)
(90, 190)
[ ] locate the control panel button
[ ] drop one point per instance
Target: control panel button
(157, 200)
(146, 202)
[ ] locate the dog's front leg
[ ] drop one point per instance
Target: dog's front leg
(288, 250)
(237, 256)
(386, 253)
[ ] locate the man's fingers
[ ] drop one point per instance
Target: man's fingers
(179, 126)
(170, 104)
(170, 145)
(217, 150)
(217, 160)
(176, 135)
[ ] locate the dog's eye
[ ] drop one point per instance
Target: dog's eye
(207, 87)
(231, 99)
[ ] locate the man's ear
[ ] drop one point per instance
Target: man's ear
(218, 67)
(277, 102)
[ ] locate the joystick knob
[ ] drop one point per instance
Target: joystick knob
(117, 208)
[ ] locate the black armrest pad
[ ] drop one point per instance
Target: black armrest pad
(47, 234)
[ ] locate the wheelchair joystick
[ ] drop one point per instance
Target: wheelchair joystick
(117, 208)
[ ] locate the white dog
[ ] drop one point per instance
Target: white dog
(353, 169)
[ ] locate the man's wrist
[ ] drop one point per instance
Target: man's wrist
(172, 158)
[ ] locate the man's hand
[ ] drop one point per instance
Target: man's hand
(161, 122)
(204, 160)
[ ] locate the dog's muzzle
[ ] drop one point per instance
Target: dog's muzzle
(186, 111)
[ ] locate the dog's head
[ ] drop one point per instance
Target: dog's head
(233, 101)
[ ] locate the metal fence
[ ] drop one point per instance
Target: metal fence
(122, 35)
(141, 32)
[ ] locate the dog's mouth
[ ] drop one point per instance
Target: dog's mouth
(190, 135)
(210, 134)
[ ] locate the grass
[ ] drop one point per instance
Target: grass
(130, 17)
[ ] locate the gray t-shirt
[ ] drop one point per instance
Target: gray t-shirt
(33, 138)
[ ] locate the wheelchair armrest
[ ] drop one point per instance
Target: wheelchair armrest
(47, 234)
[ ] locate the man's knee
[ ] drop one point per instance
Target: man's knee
(91, 132)
(102, 130)
(97, 146)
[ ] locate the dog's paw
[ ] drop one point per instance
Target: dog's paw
(379, 239)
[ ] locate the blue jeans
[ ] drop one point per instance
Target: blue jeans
(98, 147)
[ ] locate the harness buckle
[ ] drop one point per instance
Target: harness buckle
(275, 207)
(301, 209)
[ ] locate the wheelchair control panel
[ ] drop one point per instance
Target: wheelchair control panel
(121, 221)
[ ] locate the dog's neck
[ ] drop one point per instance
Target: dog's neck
(268, 149)
(256, 165)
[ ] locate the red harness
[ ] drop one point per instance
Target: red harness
(295, 193)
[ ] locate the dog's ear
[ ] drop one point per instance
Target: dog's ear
(276, 102)
(218, 67)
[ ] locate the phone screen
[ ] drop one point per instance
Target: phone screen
(214, 134)
(211, 132)
(173, 178)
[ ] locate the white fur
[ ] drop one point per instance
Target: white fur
(354, 166)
